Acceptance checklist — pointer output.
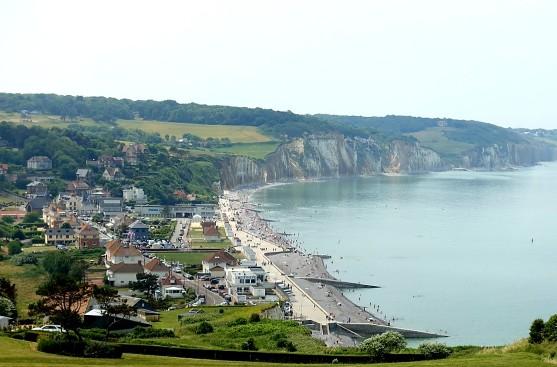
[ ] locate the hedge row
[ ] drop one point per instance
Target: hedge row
(252, 356)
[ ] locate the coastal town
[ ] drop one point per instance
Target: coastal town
(195, 254)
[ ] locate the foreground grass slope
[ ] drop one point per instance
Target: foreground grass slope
(21, 353)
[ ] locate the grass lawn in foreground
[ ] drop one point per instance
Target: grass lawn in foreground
(19, 353)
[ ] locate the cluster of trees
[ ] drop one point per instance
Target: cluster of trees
(541, 331)
(277, 123)
(7, 298)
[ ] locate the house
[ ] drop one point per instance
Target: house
(15, 214)
(83, 174)
(3, 168)
(155, 266)
(93, 163)
(138, 232)
(210, 231)
(4, 322)
(69, 202)
(172, 287)
(148, 315)
(134, 194)
(59, 236)
(87, 237)
(36, 188)
(133, 153)
(109, 161)
(39, 163)
(112, 174)
(117, 253)
(37, 204)
(79, 188)
(217, 262)
(111, 206)
(121, 274)
(243, 282)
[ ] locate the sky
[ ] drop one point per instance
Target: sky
(492, 61)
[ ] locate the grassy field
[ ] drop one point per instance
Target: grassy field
(252, 150)
(26, 279)
(201, 245)
(227, 335)
(236, 134)
(435, 139)
(18, 353)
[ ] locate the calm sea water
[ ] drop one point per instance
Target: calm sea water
(452, 251)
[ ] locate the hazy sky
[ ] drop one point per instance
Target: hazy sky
(493, 61)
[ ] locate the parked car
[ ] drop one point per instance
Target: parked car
(50, 328)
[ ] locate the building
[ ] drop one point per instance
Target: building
(59, 236)
(56, 214)
(134, 194)
(96, 318)
(121, 274)
(15, 214)
(87, 237)
(79, 188)
(112, 174)
(172, 287)
(83, 174)
(36, 188)
(117, 253)
(37, 204)
(243, 282)
(111, 206)
(155, 266)
(210, 231)
(133, 153)
(39, 163)
(216, 263)
(69, 202)
(109, 161)
(138, 232)
(176, 211)
(4, 168)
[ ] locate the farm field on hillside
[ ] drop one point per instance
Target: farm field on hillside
(435, 139)
(236, 134)
(253, 150)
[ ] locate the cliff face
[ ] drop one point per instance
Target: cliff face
(316, 157)
(329, 157)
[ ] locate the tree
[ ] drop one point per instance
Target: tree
(112, 308)
(66, 225)
(379, 345)
(536, 332)
(7, 307)
(32, 217)
(550, 329)
(147, 283)
(7, 289)
(14, 248)
(64, 291)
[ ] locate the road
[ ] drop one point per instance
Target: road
(174, 238)
(211, 298)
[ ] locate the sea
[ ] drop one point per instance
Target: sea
(469, 254)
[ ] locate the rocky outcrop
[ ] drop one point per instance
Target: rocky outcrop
(334, 156)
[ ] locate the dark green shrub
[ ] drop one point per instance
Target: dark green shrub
(30, 336)
(379, 345)
(62, 344)
(97, 349)
(14, 248)
(249, 345)
(141, 332)
(23, 259)
(291, 347)
(254, 317)
(238, 321)
(279, 335)
(93, 334)
(536, 332)
(204, 328)
(434, 350)
(281, 343)
(221, 310)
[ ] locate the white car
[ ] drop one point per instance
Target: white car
(50, 328)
